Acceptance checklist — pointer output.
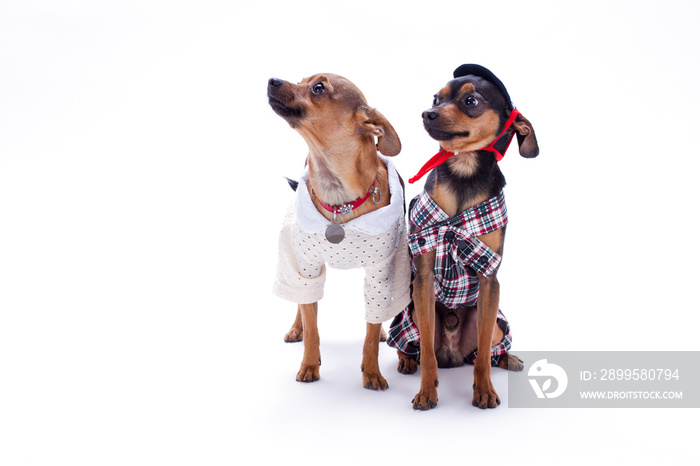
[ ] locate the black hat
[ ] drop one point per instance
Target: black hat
(480, 71)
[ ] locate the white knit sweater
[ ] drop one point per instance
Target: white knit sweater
(376, 241)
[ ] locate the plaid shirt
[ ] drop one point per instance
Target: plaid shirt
(459, 256)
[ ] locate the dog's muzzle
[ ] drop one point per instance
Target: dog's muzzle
(280, 102)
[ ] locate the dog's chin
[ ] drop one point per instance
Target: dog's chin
(287, 112)
(452, 142)
(439, 135)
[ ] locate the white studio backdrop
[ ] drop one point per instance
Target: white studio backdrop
(141, 193)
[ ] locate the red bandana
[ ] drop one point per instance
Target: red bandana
(439, 158)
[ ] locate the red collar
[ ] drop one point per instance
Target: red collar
(347, 208)
(439, 158)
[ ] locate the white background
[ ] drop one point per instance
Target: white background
(141, 193)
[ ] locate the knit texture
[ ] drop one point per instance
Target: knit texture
(376, 241)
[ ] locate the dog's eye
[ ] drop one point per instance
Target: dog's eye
(318, 89)
(436, 101)
(471, 101)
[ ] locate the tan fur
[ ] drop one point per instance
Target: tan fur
(332, 129)
(467, 88)
(464, 163)
(494, 240)
(424, 317)
(340, 130)
(447, 200)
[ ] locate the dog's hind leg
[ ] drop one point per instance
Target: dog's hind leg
(468, 339)
(371, 376)
(407, 365)
(311, 362)
(511, 362)
(295, 333)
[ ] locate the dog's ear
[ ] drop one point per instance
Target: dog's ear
(371, 121)
(527, 141)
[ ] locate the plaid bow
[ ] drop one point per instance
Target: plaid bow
(459, 253)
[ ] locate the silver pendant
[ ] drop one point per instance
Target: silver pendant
(334, 232)
(376, 194)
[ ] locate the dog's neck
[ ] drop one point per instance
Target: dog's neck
(464, 164)
(464, 181)
(338, 180)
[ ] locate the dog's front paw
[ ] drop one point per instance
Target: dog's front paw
(485, 396)
(426, 399)
(374, 381)
(308, 373)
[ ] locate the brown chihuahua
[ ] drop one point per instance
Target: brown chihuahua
(348, 213)
(457, 233)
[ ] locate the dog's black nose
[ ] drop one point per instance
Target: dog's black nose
(274, 82)
(430, 115)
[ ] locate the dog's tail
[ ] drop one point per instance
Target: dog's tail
(292, 183)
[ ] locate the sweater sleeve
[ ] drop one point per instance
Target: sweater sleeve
(299, 279)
